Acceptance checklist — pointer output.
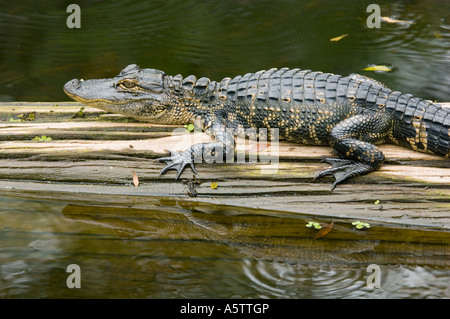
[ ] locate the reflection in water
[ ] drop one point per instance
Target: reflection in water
(281, 280)
(182, 249)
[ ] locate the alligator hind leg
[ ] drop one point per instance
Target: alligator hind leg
(354, 140)
(367, 158)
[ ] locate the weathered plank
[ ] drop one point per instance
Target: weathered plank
(95, 155)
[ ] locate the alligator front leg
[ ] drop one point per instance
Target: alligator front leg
(197, 153)
(354, 140)
(179, 160)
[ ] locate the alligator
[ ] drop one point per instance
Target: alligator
(352, 114)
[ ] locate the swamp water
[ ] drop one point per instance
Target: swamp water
(174, 248)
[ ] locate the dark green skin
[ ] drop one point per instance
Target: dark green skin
(351, 114)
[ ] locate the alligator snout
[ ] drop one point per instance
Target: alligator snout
(71, 85)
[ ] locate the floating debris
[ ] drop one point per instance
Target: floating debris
(390, 20)
(316, 225)
(378, 68)
(360, 225)
(338, 38)
(323, 231)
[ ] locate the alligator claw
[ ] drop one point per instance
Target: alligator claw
(343, 169)
(177, 161)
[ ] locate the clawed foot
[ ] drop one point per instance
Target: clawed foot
(343, 169)
(177, 161)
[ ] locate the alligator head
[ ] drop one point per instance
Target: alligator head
(134, 92)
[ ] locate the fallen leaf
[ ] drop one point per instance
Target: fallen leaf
(383, 68)
(338, 38)
(189, 127)
(323, 231)
(80, 113)
(259, 147)
(27, 116)
(389, 20)
(213, 185)
(135, 179)
(42, 138)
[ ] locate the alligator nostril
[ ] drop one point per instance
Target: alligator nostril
(72, 85)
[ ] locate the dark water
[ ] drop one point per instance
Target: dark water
(174, 248)
(38, 53)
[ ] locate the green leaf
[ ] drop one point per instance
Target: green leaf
(80, 113)
(42, 138)
(382, 68)
(377, 202)
(190, 127)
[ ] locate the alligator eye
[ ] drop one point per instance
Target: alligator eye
(128, 84)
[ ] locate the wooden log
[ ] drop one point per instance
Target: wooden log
(95, 153)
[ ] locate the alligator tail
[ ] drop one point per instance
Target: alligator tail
(420, 124)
